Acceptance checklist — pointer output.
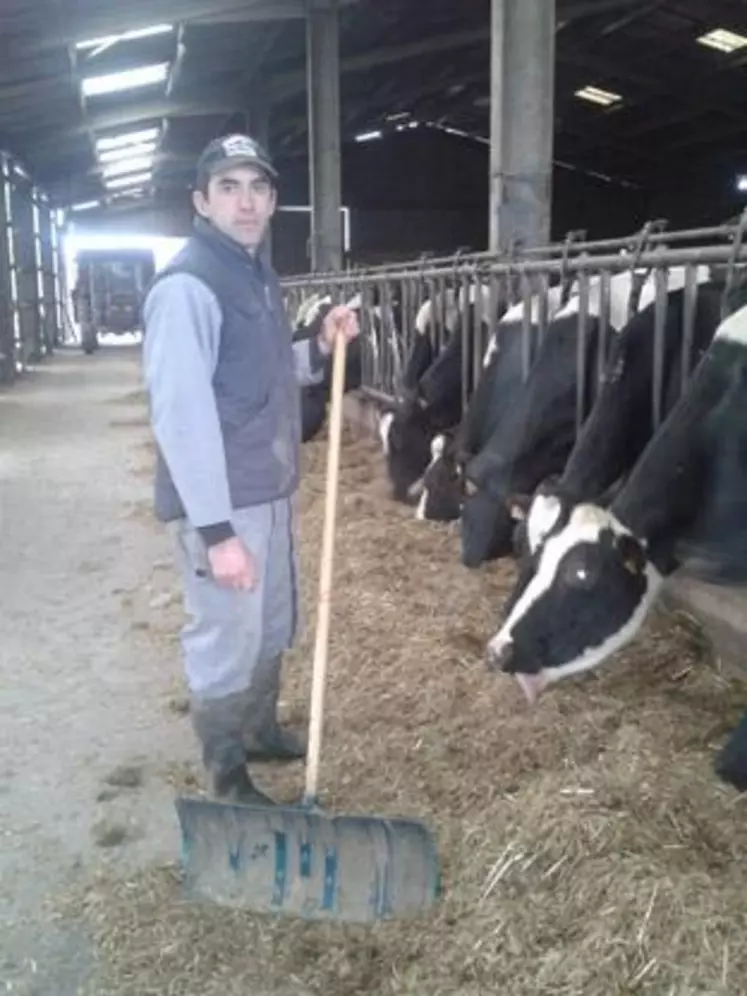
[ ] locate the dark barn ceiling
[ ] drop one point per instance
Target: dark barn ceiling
(683, 106)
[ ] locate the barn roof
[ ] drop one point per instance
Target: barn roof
(405, 63)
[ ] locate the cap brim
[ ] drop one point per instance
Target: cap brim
(231, 161)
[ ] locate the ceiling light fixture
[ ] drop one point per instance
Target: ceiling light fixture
(723, 40)
(595, 95)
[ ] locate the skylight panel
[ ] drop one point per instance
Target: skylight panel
(128, 79)
(107, 40)
(127, 152)
(133, 164)
(595, 95)
(723, 40)
(127, 138)
(131, 180)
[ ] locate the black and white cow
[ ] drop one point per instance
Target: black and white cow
(621, 421)
(434, 404)
(499, 383)
(314, 397)
(599, 570)
(534, 438)
(308, 321)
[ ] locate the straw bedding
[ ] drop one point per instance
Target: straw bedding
(587, 846)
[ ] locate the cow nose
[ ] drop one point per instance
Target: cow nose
(500, 655)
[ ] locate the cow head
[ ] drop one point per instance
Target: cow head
(487, 528)
(406, 434)
(587, 594)
(443, 494)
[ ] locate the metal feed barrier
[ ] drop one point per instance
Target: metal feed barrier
(390, 298)
(31, 300)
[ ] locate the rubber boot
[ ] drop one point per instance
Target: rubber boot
(218, 725)
(265, 738)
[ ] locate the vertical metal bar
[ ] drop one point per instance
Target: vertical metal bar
(395, 331)
(18, 358)
(429, 288)
(583, 329)
(604, 324)
(661, 283)
(526, 327)
(442, 312)
(463, 320)
(369, 373)
(496, 300)
(543, 316)
(405, 321)
(688, 323)
(385, 334)
(479, 339)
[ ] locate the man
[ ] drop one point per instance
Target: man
(223, 377)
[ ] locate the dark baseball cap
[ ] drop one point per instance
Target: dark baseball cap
(233, 150)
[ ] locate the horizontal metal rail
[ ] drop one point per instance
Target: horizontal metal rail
(390, 300)
(653, 233)
(706, 255)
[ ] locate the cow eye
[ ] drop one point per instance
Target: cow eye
(580, 569)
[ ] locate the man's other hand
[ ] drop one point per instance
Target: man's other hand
(339, 320)
(232, 565)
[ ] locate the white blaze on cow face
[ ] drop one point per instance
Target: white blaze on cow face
(544, 513)
(424, 318)
(734, 328)
(316, 307)
(437, 448)
(515, 314)
(385, 425)
(588, 598)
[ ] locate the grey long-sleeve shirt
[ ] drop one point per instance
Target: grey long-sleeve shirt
(184, 417)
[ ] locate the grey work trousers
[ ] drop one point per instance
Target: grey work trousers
(232, 633)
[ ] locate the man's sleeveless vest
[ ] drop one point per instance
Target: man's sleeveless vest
(256, 391)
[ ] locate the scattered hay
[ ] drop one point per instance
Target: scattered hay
(138, 397)
(140, 511)
(108, 833)
(184, 777)
(179, 705)
(130, 421)
(126, 776)
(107, 795)
(587, 846)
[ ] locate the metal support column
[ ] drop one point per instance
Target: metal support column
(522, 122)
(323, 84)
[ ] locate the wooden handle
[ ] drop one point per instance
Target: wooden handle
(325, 572)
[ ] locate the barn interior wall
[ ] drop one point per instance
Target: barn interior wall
(427, 192)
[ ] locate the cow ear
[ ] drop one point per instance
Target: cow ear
(518, 506)
(632, 553)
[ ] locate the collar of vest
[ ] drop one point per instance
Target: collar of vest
(222, 244)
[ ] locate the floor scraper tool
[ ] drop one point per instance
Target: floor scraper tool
(297, 860)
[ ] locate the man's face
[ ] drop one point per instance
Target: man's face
(239, 201)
